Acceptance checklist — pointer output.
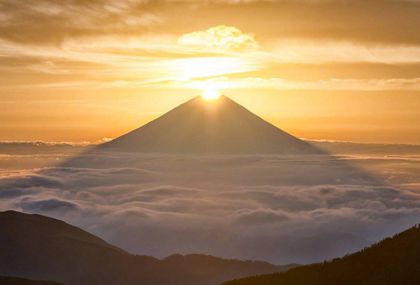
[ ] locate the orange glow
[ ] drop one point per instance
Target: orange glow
(102, 85)
(211, 94)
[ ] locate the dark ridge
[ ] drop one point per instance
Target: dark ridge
(392, 261)
(42, 248)
(6, 280)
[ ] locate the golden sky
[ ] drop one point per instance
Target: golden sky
(78, 70)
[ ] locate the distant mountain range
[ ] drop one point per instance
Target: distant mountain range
(42, 248)
(217, 127)
(392, 261)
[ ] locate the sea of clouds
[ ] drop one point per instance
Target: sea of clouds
(281, 209)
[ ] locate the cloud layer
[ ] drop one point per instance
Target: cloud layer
(269, 208)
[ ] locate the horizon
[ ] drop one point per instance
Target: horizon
(211, 100)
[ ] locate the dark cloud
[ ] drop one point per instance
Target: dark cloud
(26, 21)
(6, 193)
(362, 21)
(365, 21)
(47, 205)
(30, 181)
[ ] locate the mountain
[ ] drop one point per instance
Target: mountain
(220, 126)
(38, 247)
(21, 281)
(392, 261)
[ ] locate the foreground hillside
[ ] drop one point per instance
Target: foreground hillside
(392, 261)
(42, 248)
(21, 281)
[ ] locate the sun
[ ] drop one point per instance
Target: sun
(211, 94)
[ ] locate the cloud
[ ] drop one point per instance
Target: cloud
(71, 19)
(341, 51)
(332, 84)
(141, 44)
(289, 19)
(261, 217)
(12, 192)
(281, 209)
(32, 180)
(47, 205)
(220, 38)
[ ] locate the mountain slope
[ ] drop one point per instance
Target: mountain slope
(38, 247)
(21, 281)
(392, 261)
(220, 126)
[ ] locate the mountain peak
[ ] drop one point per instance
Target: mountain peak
(220, 126)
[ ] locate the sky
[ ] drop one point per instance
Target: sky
(76, 70)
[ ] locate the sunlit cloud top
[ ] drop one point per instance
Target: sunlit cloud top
(219, 38)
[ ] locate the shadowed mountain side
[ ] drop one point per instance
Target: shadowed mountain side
(38, 247)
(392, 261)
(21, 281)
(199, 137)
(198, 170)
(220, 127)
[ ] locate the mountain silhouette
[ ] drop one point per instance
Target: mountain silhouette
(6, 280)
(220, 126)
(42, 248)
(392, 261)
